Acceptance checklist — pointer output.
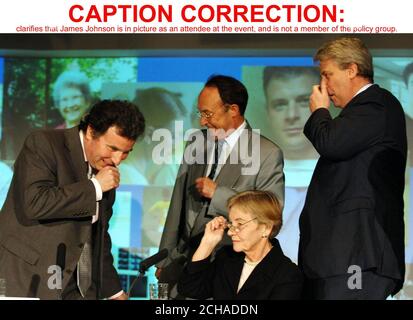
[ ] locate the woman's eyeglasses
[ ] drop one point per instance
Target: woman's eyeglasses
(237, 228)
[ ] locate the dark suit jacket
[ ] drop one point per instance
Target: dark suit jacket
(50, 204)
(275, 277)
(353, 214)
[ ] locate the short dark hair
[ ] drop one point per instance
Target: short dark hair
(230, 90)
(108, 113)
(408, 70)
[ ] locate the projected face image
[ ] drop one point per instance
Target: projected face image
(288, 111)
(72, 104)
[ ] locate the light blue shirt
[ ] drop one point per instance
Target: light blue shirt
(6, 174)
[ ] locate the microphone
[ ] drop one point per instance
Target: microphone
(34, 286)
(146, 264)
(61, 256)
(149, 262)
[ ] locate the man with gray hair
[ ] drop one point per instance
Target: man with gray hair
(352, 227)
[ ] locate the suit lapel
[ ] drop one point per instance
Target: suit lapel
(265, 270)
(232, 271)
(199, 169)
(230, 172)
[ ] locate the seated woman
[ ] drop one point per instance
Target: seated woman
(255, 267)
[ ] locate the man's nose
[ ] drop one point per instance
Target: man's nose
(117, 158)
(203, 121)
(292, 111)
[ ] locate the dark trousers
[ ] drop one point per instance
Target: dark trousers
(373, 287)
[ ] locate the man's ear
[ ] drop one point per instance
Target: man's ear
(90, 134)
(234, 108)
(353, 70)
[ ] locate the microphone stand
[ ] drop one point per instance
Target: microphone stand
(140, 276)
(147, 263)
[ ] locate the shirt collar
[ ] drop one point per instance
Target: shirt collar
(234, 136)
(368, 85)
(82, 143)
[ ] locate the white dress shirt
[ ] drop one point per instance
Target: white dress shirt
(99, 195)
(228, 144)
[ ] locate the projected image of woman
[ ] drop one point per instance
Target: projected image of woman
(72, 97)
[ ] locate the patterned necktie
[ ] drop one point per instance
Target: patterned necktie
(211, 175)
(84, 269)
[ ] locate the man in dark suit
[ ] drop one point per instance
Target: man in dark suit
(351, 226)
(245, 161)
(54, 240)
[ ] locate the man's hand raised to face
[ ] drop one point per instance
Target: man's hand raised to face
(319, 98)
(108, 178)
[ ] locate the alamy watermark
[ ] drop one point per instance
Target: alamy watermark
(355, 280)
(54, 282)
(245, 152)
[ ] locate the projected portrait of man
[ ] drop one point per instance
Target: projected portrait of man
(287, 91)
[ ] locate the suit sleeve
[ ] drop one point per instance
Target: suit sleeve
(198, 277)
(170, 234)
(348, 134)
(271, 175)
(288, 283)
(41, 196)
(288, 290)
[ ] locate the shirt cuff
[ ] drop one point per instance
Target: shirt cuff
(116, 295)
(98, 188)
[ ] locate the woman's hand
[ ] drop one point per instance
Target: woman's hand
(214, 231)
